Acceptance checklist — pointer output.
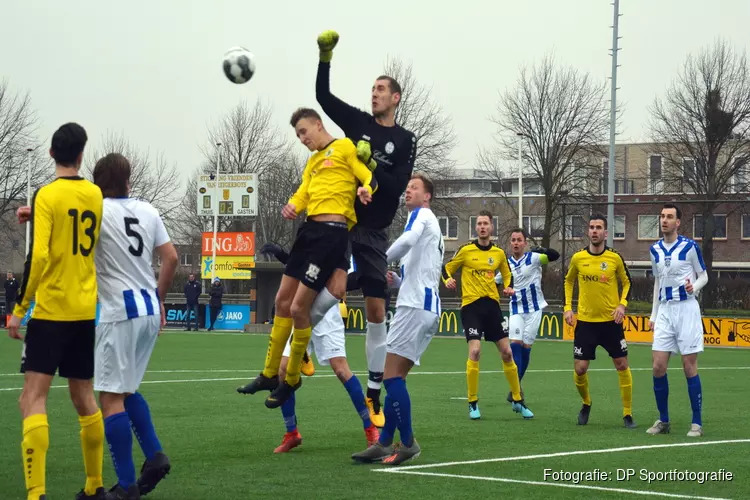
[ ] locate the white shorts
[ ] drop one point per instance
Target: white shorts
(679, 328)
(328, 338)
(524, 326)
(410, 332)
(122, 352)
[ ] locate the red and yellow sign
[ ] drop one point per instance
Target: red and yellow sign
(229, 244)
(725, 332)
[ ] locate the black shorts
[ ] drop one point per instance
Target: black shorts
(483, 317)
(67, 346)
(319, 249)
(369, 248)
(589, 335)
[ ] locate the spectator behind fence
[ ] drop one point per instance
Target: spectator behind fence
(216, 293)
(11, 292)
(193, 291)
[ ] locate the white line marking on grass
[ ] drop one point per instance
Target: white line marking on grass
(566, 454)
(559, 485)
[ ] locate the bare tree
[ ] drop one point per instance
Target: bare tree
(436, 139)
(152, 179)
(561, 117)
(702, 123)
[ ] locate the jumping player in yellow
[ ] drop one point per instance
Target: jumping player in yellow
(316, 273)
(60, 275)
(480, 309)
(601, 310)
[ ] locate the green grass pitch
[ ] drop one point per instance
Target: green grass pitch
(220, 442)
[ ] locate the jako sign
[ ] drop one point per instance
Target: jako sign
(240, 244)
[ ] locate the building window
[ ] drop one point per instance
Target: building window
(619, 229)
(741, 179)
(745, 227)
(449, 227)
(720, 227)
(648, 227)
(186, 259)
(575, 227)
(654, 167)
(473, 226)
(534, 225)
(688, 169)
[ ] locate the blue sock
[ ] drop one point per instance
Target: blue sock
(516, 350)
(525, 356)
(120, 440)
(391, 421)
(661, 393)
(696, 398)
(401, 403)
(354, 388)
(288, 412)
(143, 427)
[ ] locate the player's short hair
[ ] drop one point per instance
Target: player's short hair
(302, 113)
(392, 83)
(677, 210)
(520, 230)
(67, 144)
(429, 186)
(485, 213)
(598, 216)
(112, 174)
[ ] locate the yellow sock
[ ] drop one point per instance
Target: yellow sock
(92, 443)
(34, 453)
(626, 391)
(282, 329)
(511, 373)
(296, 350)
(582, 384)
(472, 379)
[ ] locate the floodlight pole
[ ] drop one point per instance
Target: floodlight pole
(28, 196)
(612, 129)
(216, 211)
(520, 136)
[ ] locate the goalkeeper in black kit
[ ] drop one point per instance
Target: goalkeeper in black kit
(389, 151)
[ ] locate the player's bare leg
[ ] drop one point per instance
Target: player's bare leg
(292, 438)
(660, 361)
(33, 405)
(511, 374)
(376, 353)
(92, 437)
(626, 390)
(280, 332)
(352, 385)
(690, 367)
(581, 380)
(472, 378)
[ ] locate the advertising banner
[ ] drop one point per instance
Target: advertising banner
(177, 316)
(228, 268)
(241, 244)
(231, 317)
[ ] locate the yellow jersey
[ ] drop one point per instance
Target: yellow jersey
(60, 274)
(330, 181)
(597, 276)
(479, 265)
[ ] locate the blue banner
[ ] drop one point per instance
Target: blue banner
(231, 317)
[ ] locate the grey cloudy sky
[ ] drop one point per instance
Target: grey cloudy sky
(152, 70)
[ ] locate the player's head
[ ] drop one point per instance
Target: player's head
(518, 240)
(419, 192)
(670, 218)
(191, 277)
(112, 175)
(386, 96)
(67, 145)
(309, 128)
(483, 225)
(597, 228)
(9, 275)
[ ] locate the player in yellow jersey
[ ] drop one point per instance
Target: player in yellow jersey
(601, 310)
(480, 309)
(315, 276)
(60, 276)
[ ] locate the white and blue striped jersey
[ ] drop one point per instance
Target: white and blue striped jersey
(674, 264)
(131, 230)
(527, 283)
(419, 251)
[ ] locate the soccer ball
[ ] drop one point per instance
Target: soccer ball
(239, 65)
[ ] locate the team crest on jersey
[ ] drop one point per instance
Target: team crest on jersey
(667, 261)
(389, 147)
(491, 261)
(603, 266)
(329, 152)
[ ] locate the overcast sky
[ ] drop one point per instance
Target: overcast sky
(152, 70)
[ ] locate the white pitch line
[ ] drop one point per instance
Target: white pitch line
(559, 485)
(565, 454)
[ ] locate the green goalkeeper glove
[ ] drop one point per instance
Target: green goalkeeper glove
(326, 43)
(364, 153)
